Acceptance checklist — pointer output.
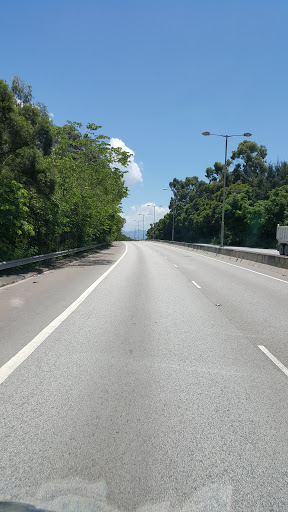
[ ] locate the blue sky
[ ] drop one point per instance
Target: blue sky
(155, 75)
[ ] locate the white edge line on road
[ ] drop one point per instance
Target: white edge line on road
(197, 285)
(226, 263)
(25, 352)
(274, 359)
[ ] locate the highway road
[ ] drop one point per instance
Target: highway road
(145, 378)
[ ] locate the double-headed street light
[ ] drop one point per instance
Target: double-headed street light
(143, 221)
(225, 172)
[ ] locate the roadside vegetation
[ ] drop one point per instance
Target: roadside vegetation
(60, 186)
(256, 201)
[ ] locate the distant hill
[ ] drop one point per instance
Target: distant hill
(131, 234)
(123, 238)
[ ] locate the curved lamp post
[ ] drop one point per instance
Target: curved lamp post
(143, 220)
(246, 134)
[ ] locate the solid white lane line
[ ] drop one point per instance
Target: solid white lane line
(175, 265)
(25, 352)
(274, 359)
(226, 263)
(197, 285)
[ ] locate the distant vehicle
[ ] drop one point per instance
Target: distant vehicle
(282, 239)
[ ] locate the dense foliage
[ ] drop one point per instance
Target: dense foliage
(256, 201)
(60, 187)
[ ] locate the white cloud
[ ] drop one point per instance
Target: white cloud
(51, 115)
(19, 102)
(133, 173)
(136, 212)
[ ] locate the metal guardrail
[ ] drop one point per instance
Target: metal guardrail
(42, 257)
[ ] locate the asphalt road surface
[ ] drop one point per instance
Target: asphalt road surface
(155, 384)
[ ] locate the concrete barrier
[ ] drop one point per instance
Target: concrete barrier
(266, 259)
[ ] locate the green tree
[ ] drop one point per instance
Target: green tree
(251, 167)
(60, 186)
(255, 201)
(22, 91)
(90, 184)
(16, 226)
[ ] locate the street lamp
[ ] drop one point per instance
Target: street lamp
(154, 206)
(143, 221)
(173, 213)
(135, 220)
(246, 134)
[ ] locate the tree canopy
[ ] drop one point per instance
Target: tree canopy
(256, 201)
(61, 186)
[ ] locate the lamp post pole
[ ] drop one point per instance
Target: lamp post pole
(173, 218)
(224, 187)
(143, 214)
(246, 134)
(173, 214)
(154, 206)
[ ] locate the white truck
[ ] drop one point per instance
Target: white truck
(282, 239)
